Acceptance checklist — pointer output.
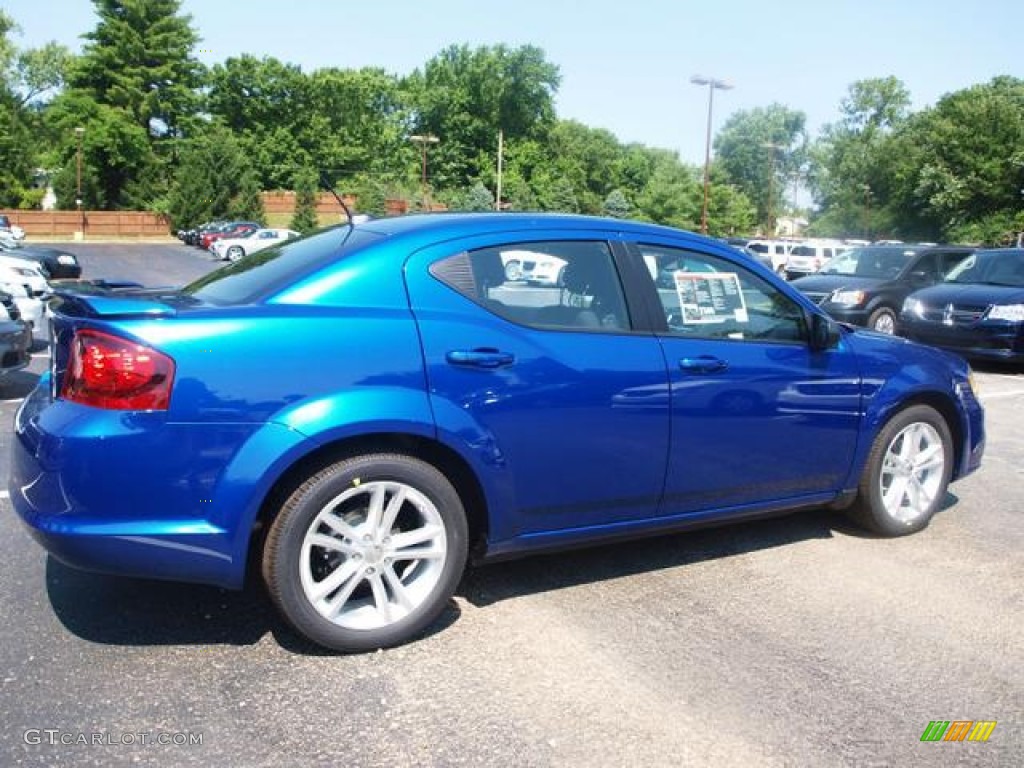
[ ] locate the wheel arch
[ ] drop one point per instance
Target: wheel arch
(945, 407)
(442, 457)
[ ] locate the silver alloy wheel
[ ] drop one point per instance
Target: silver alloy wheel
(373, 555)
(885, 323)
(912, 472)
(513, 271)
(235, 252)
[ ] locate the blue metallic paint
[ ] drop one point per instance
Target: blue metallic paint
(571, 443)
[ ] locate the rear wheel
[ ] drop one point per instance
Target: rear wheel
(883, 320)
(907, 473)
(513, 271)
(366, 553)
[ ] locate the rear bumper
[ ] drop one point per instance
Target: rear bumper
(149, 500)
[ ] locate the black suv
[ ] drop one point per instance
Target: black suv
(866, 286)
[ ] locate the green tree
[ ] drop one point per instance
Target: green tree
(247, 204)
(850, 169)
(672, 194)
(616, 205)
(956, 169)
(305, 218)
(465, 96)
(139, 59)
(214, 180)
(759, 150)
(476, 198)
(133, 90)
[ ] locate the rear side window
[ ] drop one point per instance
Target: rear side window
(261, 275)
(548, 285)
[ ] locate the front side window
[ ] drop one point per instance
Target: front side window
(705, 296)
(551, 284)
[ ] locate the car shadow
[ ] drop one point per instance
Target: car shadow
(121, 611)
(488, 584)
(114, 610)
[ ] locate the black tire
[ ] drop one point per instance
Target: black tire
(872, 509)
(883, 320)
(344, 493)
(513, 271)
(235, 252)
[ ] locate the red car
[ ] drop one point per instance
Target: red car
(231, 229)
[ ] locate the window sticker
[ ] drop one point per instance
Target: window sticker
(710, 297)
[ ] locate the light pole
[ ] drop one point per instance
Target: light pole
(712, 84)
(424, 140)
(772, 219)
(79, 133)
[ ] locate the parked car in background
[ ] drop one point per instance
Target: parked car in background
(533, 268)
(233, 229)
(54, 262)
(362, 409)
(234, 248)
(776, 250)
(12, 230)
(25, 272)
(192, 236)
(15, 336)
(977, 311)
(808, 257)
(866, 286)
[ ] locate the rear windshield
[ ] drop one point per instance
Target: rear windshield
(261, 275)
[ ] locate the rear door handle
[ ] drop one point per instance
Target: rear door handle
(703, 364)
(480, 358)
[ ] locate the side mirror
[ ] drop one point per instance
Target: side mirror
(824, 332)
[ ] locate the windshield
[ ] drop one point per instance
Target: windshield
(990, 268)
(868, 262)
(262, 274)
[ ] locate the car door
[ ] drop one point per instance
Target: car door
(549, 390)
(757, 415)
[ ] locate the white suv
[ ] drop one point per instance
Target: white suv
(777, 250)
(807, 258)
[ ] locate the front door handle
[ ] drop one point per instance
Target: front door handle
(703, 364)
(480, 358)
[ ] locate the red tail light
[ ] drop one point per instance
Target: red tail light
(105, 371)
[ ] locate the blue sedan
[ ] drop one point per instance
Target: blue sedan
(364, 410)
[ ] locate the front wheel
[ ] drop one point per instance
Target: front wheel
(235, 252)
(907, 472)
(883, 320)
(367, 552)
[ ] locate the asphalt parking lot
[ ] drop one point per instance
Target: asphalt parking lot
(797, 641)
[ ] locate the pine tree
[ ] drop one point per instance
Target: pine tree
(616, 205)
(154, 81)
(305, 219)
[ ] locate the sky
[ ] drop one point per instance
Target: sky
(625, 64)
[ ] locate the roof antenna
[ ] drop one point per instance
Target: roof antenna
(330, 188)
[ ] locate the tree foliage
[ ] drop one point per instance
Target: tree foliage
(215, 179)
(161, 132)
(759, 151)
(305, 219)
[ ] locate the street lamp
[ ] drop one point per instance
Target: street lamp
(712, 84)
(79, 133)
(424, 140)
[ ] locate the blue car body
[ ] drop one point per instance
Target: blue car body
(349, 338)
